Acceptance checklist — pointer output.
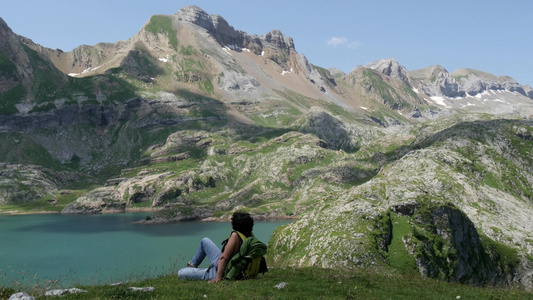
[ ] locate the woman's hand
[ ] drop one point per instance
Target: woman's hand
(214, 280)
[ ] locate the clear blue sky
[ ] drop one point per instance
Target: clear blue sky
(494, 36)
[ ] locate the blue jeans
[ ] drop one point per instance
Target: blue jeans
(206, 248)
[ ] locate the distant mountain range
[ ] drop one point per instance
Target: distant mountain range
(192, 119)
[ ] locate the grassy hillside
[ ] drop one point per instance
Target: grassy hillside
(307, 283)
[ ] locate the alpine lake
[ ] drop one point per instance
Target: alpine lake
(64, 250)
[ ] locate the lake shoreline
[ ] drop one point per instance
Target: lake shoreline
(145, 210)
(50, 212)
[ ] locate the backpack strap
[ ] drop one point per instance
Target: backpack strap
(243, 237)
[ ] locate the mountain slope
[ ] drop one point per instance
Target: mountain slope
(471, 173)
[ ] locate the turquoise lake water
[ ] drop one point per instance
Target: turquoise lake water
(98, 249)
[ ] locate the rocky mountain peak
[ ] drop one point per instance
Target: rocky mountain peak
(336, 72)
(3, 25)
(225, 34)
(12, 48)
(390, 67)
(214, 24)
(218, 28)
(195, 15)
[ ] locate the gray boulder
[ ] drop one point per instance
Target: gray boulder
(61, 292)
(21, 296)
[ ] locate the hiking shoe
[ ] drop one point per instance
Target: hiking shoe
(191, 265)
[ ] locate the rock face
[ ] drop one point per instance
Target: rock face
(529, 91)
(95, 202)
(474, 82)
(331, 130)
(225, 34)
(214, 24)
(447, 245)
(436, 81)
(71, 115)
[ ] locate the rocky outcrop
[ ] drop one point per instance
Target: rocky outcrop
(95, 202)
(177, 213)
(27, 183)
(529, 91)
(100, 115)
(436, 81)
(219, 28)
(274, 45)
(71, 115)
(446, 244)
(474, 82)
(225, 34)
(238, 82)
(331, 130)
(276, 39)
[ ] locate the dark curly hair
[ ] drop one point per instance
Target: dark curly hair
(242, 222)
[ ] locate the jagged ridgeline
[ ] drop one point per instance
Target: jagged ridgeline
(416, 171)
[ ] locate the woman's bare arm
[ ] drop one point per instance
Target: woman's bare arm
(231, 247)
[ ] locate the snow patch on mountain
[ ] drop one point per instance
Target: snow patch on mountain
(440, 101)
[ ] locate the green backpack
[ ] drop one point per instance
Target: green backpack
(249, 261)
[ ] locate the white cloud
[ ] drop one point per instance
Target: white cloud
(335, 41)
(354, 45)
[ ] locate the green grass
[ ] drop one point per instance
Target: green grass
(189, 50)
(307, 283)
(163, 24)
(207, 87)
(7, 67)
(9, 98)
(507, 256)
(398, 257)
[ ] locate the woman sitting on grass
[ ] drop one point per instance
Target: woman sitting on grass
(241, 222)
